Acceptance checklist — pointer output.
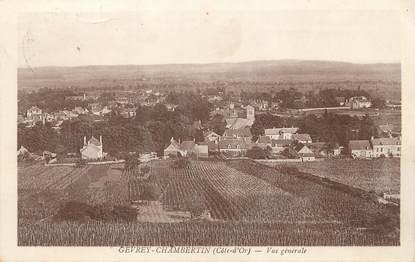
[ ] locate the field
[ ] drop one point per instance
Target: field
(208, 203)
(378, 175)
(381, 175)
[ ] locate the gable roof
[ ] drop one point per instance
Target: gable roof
(359, 145)
(277, 131)
(173, 146)
(281, 142)
(187, 145)
(386, 128)
(386, 141)
(303, 149)
(264, 139)
(210, 133)
(233, 143)
(94, 141)
(238, 123)
(241, 132)
(302, 137)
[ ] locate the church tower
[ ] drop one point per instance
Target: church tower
(250, 112)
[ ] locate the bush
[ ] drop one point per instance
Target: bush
(80, 163)
(149, 191)
(77, 211)
(256, 153)
(131, 162)
(145, 170)
(181, 162)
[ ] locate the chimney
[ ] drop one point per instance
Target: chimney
(100, 140)
(84, 140)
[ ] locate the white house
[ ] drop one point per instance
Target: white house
(93, 149)
(302, 138)
(360, 149)
(285, 133)
(211, 136)
(305, 153)
(386, 146)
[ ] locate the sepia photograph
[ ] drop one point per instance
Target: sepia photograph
(205, 128)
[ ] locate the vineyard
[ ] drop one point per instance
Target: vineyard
(43, 189)
(197, 233)
(247, 203)
(380, 175)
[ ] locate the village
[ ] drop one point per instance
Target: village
(234, 139)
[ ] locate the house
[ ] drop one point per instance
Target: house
(278, 145)
(235, 147)
(386, 146)
(238, 133)
(93, 149)
(96, 108)
(263, 142)
(386, 128)
(238, 123)
(186, 148)
(146, 157)
(128, 112)
(201, 150)
(340, 100)
(211, 136)
(33, 111)
(80, 110)
(213, 146)
(34, 114)
(305, 153)
(360, 149)
(250, 112)
(337, 150)
(302, 138)
(358, 102)
(173, 149)
(77, 98)
(171, 107)
(60, 116)
(281, 133)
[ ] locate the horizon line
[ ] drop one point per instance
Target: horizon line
(213, 63)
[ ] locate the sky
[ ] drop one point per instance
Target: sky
(202, 36)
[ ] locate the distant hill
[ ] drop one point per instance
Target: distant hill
(254, 71)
